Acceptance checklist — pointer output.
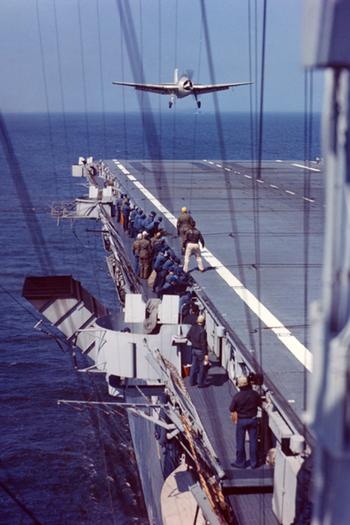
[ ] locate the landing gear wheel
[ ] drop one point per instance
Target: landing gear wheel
(199, 104)
(170, 104)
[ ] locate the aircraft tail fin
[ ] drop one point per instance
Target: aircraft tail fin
(176, 75)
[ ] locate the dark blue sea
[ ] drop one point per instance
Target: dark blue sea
(61, 465)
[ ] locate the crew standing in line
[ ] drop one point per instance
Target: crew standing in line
(184, 222)
(243, 408)
(197, 336)
(192, 239)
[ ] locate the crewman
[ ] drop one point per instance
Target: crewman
(197, 336)
(136, 252)
(132, 217)
(192, 239)
(156, 243)
(125, 212)
(119, 204)
(145, 256)
(138, 221)
(184, 222)
(243, 408)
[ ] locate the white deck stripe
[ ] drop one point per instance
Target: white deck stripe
(305, 167)
(273, 186)
(247, 176)
(300, 352)
(290, 192)
(309, 200)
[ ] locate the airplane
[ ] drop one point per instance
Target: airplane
(181, 87)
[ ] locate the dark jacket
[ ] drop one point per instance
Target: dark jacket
(194, 235)
(245, 403)
(197, 336)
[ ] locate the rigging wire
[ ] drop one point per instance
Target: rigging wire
(174, 115)
(102, 83)
(160, 48)
(125, 128)
(256, 206)
(15, 498)
(258, 177)
(229, 191)
(251, 112)
(25, 200)
(60, 84)
(153, 144)
(256, 64)
(141, 94)
(46, 91)
(87, 126)
(308, 138)
(63, 109)
(196, 116)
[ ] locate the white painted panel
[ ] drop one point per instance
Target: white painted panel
(278, 485)
(77, 171)
(285, 482)
(93, 192)
(107, 194)
(74, 321)
(119, 357)
(59, 308)
(134, 308)
(84, 340)
(169, 309)
(86, 208)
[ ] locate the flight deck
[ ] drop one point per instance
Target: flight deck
(263, 232)
(263, 248)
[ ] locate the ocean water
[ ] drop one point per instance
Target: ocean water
(61, 465)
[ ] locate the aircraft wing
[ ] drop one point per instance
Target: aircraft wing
(163, 89)
(210, 88)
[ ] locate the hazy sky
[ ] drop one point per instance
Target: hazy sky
(93, 42)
